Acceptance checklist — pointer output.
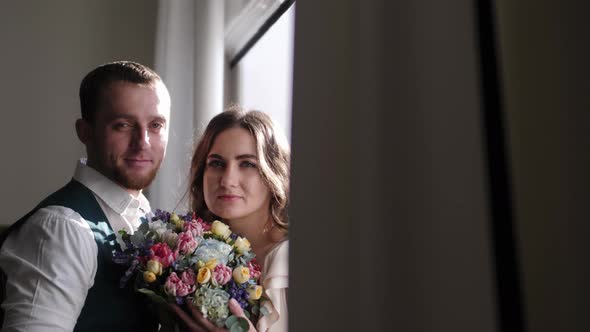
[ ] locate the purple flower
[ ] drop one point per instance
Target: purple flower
(238, 292)
(161, 215)
(129, 273)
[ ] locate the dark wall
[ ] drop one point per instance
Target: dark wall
(545, 55)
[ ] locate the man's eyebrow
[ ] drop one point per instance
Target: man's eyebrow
(115, 117)
(120, 116)
(159, 118)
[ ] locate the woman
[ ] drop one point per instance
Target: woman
(240, 175)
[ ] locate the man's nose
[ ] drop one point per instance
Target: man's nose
(141, 137)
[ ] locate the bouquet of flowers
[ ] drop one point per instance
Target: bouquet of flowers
(183, 259)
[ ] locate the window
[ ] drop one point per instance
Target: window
(262, 75)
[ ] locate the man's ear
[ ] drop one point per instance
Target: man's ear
(84, 131)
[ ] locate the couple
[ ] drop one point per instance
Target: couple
(58, 272)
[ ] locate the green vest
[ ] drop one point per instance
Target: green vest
(107, 307)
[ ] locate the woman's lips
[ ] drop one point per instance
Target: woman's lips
(228, 198)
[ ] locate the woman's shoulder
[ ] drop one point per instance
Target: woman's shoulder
(275, 282)
(277, 261)
(280, 251)
(281, 248)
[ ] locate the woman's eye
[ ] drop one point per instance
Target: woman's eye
(215, 163)
(248, 164)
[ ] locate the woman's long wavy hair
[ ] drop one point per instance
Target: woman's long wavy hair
(273, 154)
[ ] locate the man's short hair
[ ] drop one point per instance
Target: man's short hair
(96, 81)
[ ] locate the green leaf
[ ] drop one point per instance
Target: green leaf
(182, 264)
(153, 296)
(231, 320)
(241, 325)
(264, 311)
(249, 256)
(143, 228)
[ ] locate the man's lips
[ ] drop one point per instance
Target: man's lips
(138, 162)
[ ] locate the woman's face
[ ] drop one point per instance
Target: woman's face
(232, 185)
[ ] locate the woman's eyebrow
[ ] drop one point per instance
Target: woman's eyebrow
(239, 157)
(215, 156)
(246, 156)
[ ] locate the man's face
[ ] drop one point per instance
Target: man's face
(127, 141)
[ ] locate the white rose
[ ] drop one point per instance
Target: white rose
(242, 245)
(158, 227)
(220, 229)
(171, 238)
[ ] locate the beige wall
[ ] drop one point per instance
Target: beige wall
(545, 53)
(46, 49)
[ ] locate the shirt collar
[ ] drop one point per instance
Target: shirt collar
(111, 193)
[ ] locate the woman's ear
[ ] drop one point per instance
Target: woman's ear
(84, 131)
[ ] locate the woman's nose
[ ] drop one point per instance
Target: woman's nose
(229, 177)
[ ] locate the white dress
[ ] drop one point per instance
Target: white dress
(275, 281)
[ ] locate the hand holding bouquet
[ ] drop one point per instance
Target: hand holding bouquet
(182, 259)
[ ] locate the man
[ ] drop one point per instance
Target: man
(57, 259)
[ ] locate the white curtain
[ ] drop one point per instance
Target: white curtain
(190, 59)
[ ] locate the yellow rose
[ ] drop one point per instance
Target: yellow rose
(174, 217)
(242, 245)
(254, 292)
(154, 266)
(241, 274)
(211, 264)
(204, 275)
(176, 221)
(149, 276)
(220, 229)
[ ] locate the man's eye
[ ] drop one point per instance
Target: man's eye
(157, 125)
(215, 163)
(122, 126)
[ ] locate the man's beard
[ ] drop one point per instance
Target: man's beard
(134, 182)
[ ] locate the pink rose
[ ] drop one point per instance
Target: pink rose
(163, 254)
(188, 277)
(194, 227)
(206, 226)
(187, 243)
(222, 274)
(254, 269)
(176, 287)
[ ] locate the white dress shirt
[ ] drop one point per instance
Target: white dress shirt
(54, 256)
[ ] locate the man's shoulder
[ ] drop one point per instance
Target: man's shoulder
(55, 226)
(54, 219)
(72, 191)
(58, 213)
(61, 204)
(59, 209)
